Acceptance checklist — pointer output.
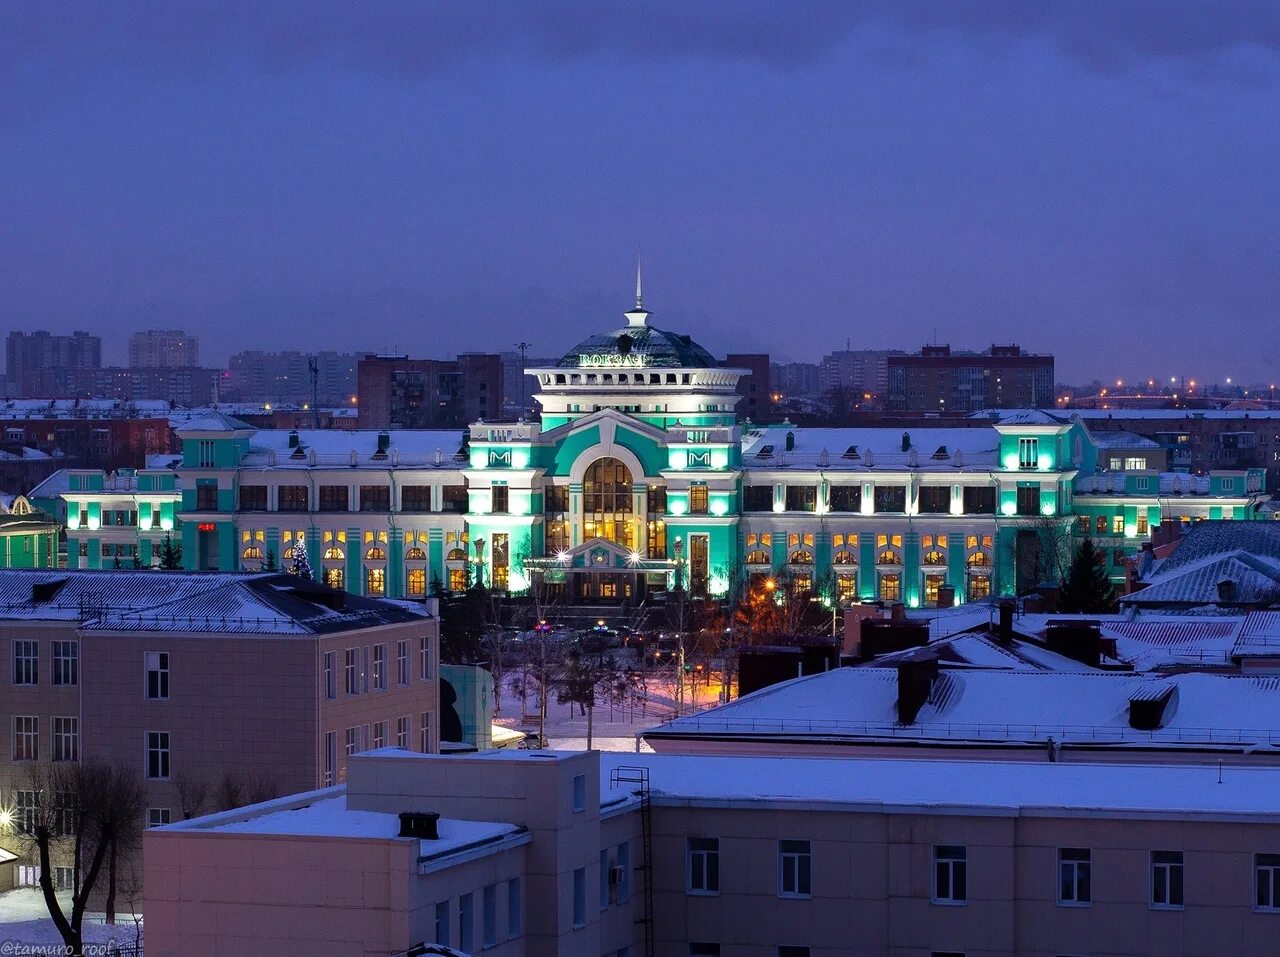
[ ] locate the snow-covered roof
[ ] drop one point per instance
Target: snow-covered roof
(1259, 636)
(84, 409)
(1025, 417)
(53, 486)
(1009, 707)
(1174, 414)
(930, 449)
(239, 603)
(307, 448)
(1123, 440)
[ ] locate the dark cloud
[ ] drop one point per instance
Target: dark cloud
(62, 41)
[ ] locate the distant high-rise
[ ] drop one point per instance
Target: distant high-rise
(286, 377)
(163, 349)
(791, 379)
(861, 371)
(40, 364)
(939, 380)
(404, 393)
(756, 403)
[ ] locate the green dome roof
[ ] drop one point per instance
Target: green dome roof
(661, 349)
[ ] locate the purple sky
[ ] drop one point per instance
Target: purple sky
(1095, 179)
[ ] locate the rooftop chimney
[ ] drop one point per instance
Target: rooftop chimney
(419, 824)
(1226, 592)
(915, 681)
(1077, 639)
(1004, 626)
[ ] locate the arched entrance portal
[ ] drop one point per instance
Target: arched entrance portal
(606, 503)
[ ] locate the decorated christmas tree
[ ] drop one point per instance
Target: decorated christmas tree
(301, 565)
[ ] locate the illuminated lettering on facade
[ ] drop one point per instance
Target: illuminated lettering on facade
(611, 360)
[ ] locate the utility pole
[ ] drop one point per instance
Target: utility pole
(522, 346)
(313, 370)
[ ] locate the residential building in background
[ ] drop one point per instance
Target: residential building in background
(518, 386)
(184, 386)
(285, 377)
(542, 853)
(755, 387)
(796, 379)
(857, 371)
(104, 434)
(936, 379)
(43, 365)
(163, 349)
(214, 684)
(396, 392)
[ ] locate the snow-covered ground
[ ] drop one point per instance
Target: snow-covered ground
(613, 728)
(24, 919)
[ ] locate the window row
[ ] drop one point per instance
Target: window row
(344, 498)
(366, 737)
(930, 499)
(65, 666)
(64, 738)
(369, 668)
(455, 919)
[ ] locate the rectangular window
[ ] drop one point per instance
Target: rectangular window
(579, 792)
(402, 732)
(425, 732)
(207, 497)
(950, 885)
(1166, 880)
(379, 667)
(802, 498)
(379, 734)
(757, 498)
(156, 664)
(66, 739)
(1144, 527)
(292, 498)
(466, 923)
(703, 870)
(793, 950)
(330, 678)
(890, 586)
(351, 670)
(158, 755)
(26, 661)
(1117, 524)
(846, 498)
(795, 866)
(935, 499)
(204, 454)
(1074, 875)
(66, 663)
(63, 878)
(697, 499)
(330, 758)
(415, 498)
(605, 878)
(580, 897)
(402, 661)
(352, 744)
(454, 498)
(489, 916)
(1028, 501)
(979, 500)
(424, 658)
(623, 871)
(334, 498)
(1135, 463)
(500, 500)
(26, 808)
(890, 498)
(703, 949)
(26, 738)
(375, 582)
(1028, 453)
(158, 816)
(1266, 882)
(253, 498)
(442, 923)
(375, 498)
(515, 909)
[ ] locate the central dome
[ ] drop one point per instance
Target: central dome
(658, 348)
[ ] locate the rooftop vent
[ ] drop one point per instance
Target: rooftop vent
(766, 452)
(420, 824)
(46, 590)
(1149, 707)
(941, 455)
(294, 440)
(851, 453)
(791, 441)
(915, 681)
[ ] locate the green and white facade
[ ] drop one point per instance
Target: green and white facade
(640, 473)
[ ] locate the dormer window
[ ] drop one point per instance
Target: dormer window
(766, 452)
(851, 453)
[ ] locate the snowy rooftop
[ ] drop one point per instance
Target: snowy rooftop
(941, 449)
(306, 448)
(909, 786)
(1017, 707)
(1123, 440)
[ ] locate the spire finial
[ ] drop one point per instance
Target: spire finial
(639, 287)
(638, 316)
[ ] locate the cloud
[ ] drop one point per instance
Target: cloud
(65, 41)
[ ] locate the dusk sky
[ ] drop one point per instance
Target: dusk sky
(1094, 179)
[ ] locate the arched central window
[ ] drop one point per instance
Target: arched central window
(606, 503)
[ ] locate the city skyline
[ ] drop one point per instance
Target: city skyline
(1061, 179)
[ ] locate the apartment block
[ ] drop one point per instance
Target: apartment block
(42, 364)
(403, 393)
(936, 379)
(163, 349)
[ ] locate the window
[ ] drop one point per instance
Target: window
(489, 916)
(330, 758)
(1144, 527)
(26, 661)
(466, 922)
(979, 500)
(442, 923)
(330, 679)
(1028, 453)
(890, 586)
(579, 792)
(891, 498)
(158, 755)
(580, 897)
(1166, 880)
(402, 732)
(794, 869)
(204, 454)
(66, 739)
(605, 878)
(623, 873)
(207, 496)
(402, 661)
(292, 498)
(158, 816)
(352, 744)
(333, 578)
(802, 498)
(500, 500)
(501, 560)
(846, 498)
(949, 877)
(379, 734)
(1028, 501)
(156, 664)
(26, 738)
(334, 498)
(375, 582)
(758, 498)
(375, 498)
(697, 499)
(379, 667)
(1266, 882)
(66, 663)
(351, 670)
(702, 949)
(515, 909)
(63, 878)
(792, 950)
(1074, 876)
(1117, 524)
(415, 498)
(253, 498)
(26, 805)
(979, 587)
(932, 588)
(424, 657)
(425, 732)
(454, 498)
(703, 865)
(935, 499)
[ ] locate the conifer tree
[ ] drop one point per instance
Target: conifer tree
(301, 564)
(1087, 589)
